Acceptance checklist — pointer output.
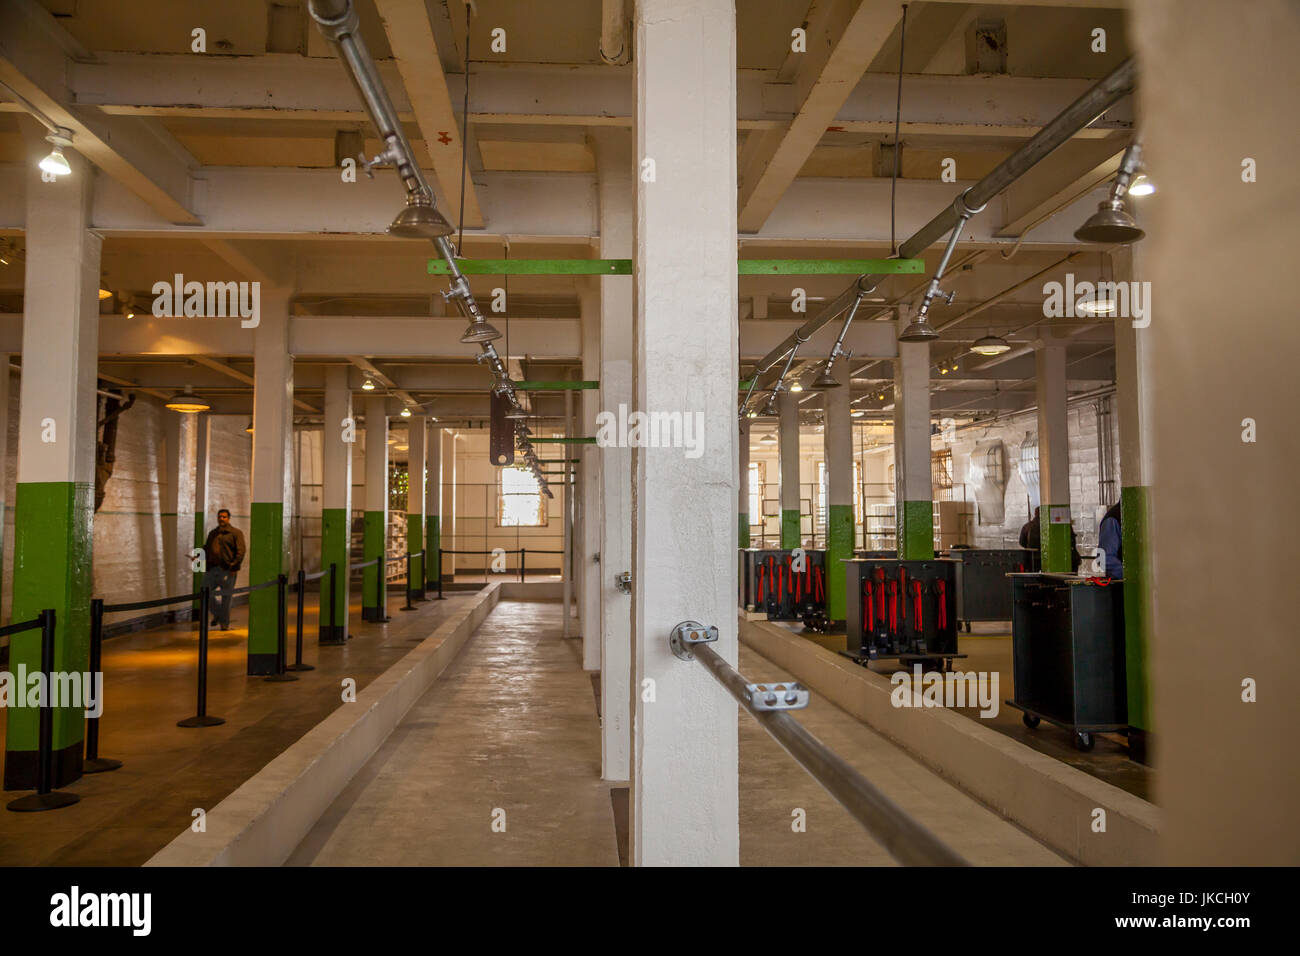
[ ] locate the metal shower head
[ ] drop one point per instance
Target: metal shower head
(1111, 223)
(419, 220)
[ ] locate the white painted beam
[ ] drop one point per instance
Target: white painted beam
(838, 54)
(35, 54)
(410, 35)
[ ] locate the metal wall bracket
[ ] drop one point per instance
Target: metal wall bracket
(623, 582)
(690, 632)
(789, 696)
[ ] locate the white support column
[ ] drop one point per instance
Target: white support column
(684, 783)
(914, 494)
(589, 474)
(268, 538)
(4, 460)
(177, 499)
(375, 580)
(787, 405)
(417, 431)
(338, 439)
(447, 517)
(199, 529)
(615, 172)
(1053, 457)
(54, 502)
(837, 438)
(433, 506)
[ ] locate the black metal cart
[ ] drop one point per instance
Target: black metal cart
(983, 588)
(770, 583)
(1067, 636)
(902, 610)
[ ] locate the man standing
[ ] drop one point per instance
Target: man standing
(1110, 540)
(225, 550)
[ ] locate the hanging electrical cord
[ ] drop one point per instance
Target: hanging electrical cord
(898, 117)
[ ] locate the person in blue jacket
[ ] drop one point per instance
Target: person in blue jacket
(1111, 542)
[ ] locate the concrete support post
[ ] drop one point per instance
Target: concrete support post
(54, 502)
(338, 438)
(788, 449)
(1053, 458)
(837, 434)
(566, 548)
(616, 171)
(433, 507)
(176, 499)
(447, 510)
(742, 494)
(202, 444)
(268, 536)
(589, 473)
(685, 750)
(1223, 447)
(4, 453)
(1133, 380)
(415, 498)
(374, 581)
(914, 494)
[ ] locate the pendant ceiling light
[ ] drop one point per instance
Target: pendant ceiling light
(188, 403)
(990, 345)
(56, 164)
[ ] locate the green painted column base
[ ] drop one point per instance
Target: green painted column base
(336, 547)
(839, 546)
(915, 530)
(742, 531)
(414, 545)
(1135, 520)
(790, 534)
(374, 580)
(1057, 556)
(53, 523)
(432, 545)
(265, 561)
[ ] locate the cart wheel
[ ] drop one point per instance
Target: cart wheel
(1084, 741)
(1030, 720)
(968, 627)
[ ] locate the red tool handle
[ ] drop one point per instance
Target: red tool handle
(893, 607)
(918, 621)
(902, 588)
(869, 613)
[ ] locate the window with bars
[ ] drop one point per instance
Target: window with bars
(941, 468)
(757, 476)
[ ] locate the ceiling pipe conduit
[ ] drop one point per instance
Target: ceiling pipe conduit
(1081, 113)
(338, 23)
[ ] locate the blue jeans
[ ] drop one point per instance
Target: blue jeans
(220, 582)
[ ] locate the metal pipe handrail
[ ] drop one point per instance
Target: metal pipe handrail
(1079, 114)
(890, 825)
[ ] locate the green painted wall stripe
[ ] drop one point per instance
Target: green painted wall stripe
(915, 530)
(336, 547)
(1055, 541)
(839, 545)
(790, 534)
(52, 569)
(1135, 522)
(743, 535)
(374, 540)
(623, 267)
(266, 540)
(433, 541)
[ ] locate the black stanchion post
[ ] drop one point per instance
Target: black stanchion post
(297, 664)
(93, 762)
(281, 674)
(523, 563)
(45, 797)
(408, 606)
(201, 719)
(440, 597)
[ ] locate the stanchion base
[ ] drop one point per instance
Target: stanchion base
(408, 608)
(100, 765)
(204, 721)
(279, 678)
(35, 802)
(301, 667)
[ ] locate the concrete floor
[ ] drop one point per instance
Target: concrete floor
(988, 649)
(125, 816)
(512, 725)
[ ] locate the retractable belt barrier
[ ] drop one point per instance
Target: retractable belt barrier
(45, 797)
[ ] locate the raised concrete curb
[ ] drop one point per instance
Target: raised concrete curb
(263, 821)
(1051, 800)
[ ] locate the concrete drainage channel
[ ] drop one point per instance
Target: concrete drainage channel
(1054, 802)
(262, 822)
